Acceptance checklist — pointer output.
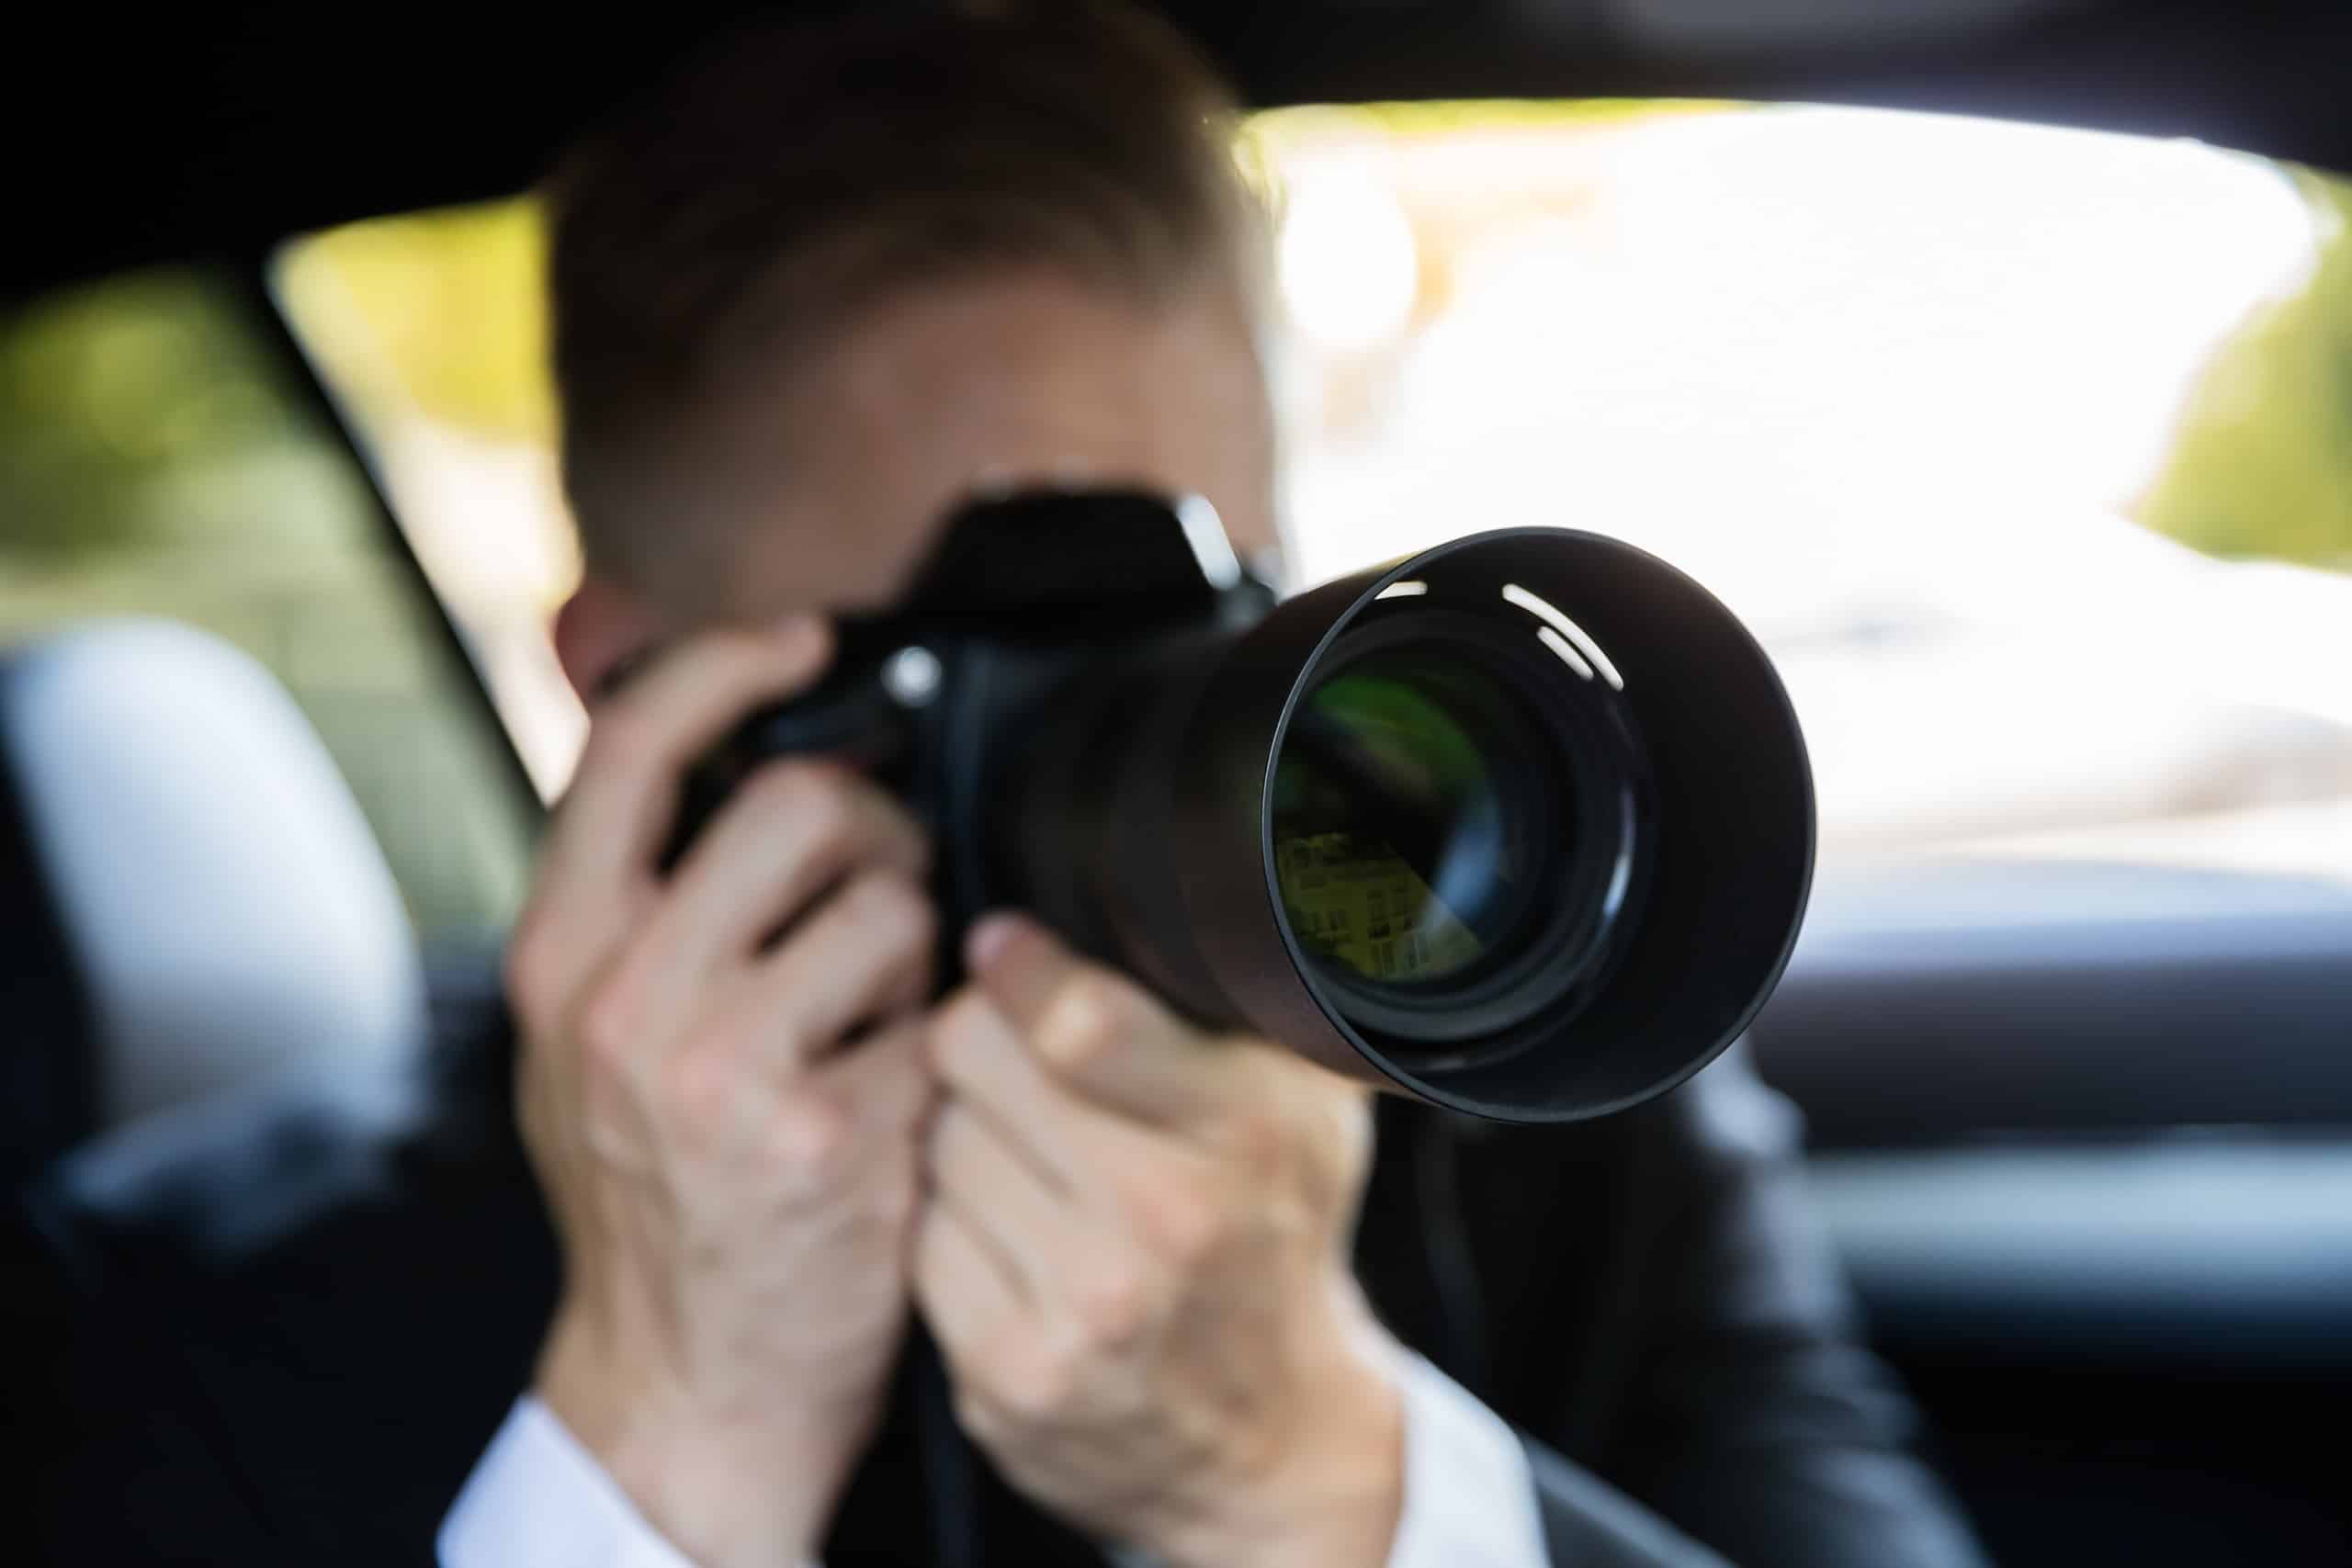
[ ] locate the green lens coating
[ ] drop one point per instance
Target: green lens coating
(1388, 824)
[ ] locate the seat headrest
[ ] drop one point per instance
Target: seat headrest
(189, 897)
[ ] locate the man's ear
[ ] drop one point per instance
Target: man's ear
(600, 630)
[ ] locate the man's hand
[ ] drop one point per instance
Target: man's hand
(1135, 1257)
(733, 1186)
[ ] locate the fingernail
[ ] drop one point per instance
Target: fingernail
(990, 935)
(797, 633)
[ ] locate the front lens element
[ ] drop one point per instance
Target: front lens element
(1402, 829)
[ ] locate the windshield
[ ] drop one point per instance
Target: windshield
(2027, 452)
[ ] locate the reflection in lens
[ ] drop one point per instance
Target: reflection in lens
(1399, 849)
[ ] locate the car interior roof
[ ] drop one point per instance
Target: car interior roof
(215, 132)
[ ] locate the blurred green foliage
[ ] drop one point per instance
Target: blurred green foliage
(155, 459)
(2262, 462)
(105, 390)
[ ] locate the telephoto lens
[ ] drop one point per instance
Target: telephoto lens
(1522, 824)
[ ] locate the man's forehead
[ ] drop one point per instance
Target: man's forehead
(951, 392)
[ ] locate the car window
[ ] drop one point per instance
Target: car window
(159, 457)
(2028, 452)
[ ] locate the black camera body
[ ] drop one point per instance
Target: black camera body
(946, 697)
(1521, 825)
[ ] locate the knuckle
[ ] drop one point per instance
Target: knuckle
(1083, 1024)
(1035, 1387)
(1111, 1303)
(1258, 1142)
(811, 1136)
(1180, 1225)
(697, 1088)
(608, 1028)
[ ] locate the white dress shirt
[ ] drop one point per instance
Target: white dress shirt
(537, 1499)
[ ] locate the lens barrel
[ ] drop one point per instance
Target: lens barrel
(1522, 824)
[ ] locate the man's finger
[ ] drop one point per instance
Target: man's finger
(965, 1292)
(883, 1081)
(624, 798)
(979, 1059)
(1096, 1032)
(864, 954)
(1028, 1219)
(791, 830)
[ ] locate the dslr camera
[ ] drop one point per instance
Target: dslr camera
(1521, 825)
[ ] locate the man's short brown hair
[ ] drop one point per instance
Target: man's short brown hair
(774, 186)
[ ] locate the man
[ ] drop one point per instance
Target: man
(808, 298)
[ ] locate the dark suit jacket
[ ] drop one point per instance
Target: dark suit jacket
(283, 1330)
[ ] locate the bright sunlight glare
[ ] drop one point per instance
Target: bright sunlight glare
(1826, 308)
(1345, 260)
